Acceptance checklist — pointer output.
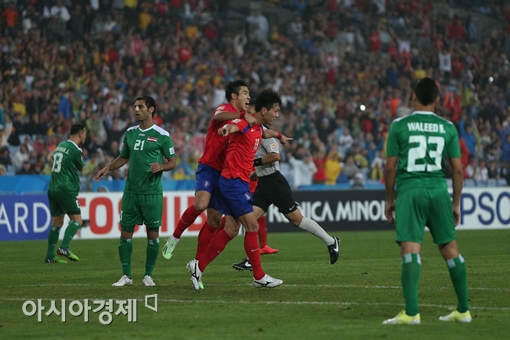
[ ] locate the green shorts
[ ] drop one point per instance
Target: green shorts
(141, 209)
(62, 203)
(417, 208)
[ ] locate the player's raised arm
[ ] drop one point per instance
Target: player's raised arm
(228, 129)
(226, 116)
(268, 133)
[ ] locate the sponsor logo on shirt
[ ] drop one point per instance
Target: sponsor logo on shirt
(172, 151)
(152, 139)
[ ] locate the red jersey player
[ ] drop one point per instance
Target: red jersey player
(207, 194)
(235, 176)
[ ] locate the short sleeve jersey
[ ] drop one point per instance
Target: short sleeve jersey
(267, 146)
(421, 141)
(67, 162)
(241, 150)
(143, 147)
(216, 145)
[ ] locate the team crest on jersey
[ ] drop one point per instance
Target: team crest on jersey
(273, 146)
(152, 139)
(207, 184)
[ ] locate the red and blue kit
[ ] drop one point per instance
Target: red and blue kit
(216, 145)
(241, 150)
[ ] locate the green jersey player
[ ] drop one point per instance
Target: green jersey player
(62, 194)
(145, 146)
(417, 145)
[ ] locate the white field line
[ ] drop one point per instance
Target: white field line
(285, 285)
(300, 303)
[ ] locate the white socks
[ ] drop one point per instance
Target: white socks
(315, 229)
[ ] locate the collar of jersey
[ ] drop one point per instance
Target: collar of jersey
(139, 128)
(424, 113)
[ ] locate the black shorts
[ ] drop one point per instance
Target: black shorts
(274, 189)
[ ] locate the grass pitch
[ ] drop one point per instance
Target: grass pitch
(348, 300)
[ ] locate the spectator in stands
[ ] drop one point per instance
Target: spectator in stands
(303, 167)
(20, 156)
(2, 170)
(350, 169)
(493, 170)
(358, 181)
(333, 167)
(481, 173)
(3, 136)
(320, 161)
(5, 158)
(26, 169)
(376, 171)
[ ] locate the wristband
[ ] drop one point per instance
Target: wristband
(257, 162)
(242, 114)
(279, 135)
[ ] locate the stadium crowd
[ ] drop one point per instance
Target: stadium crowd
(344, 68)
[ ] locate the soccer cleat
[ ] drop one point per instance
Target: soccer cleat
(267, 281)
(168, 249)
(54, 260)
(243, 265)
(403, 319)
(124, 281)
(334, 250)
(147, 281)
(457, 316)
(268, 250)
(67, 253)
(196, 274)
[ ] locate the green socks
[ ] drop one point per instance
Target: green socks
(411, 267)
(52, 241)
(152, 255)
(125, 250)
(457, 268)
(71, 230)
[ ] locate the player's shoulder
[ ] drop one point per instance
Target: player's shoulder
(132, 128)
(160, 130)
(225, 107)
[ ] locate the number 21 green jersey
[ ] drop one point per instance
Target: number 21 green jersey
(143, 147)
(67, 162)
(421, 141)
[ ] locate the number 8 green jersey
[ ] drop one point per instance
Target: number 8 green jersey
(143, 147)
(421, 141)
(67, 162)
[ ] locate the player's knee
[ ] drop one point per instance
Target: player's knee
(200, 206)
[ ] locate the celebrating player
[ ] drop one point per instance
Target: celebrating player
(207, 194)
(235, 176)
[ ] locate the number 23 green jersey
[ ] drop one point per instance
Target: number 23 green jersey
(143, 147)
(421, 141)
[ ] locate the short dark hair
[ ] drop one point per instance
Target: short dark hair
(149, 102)
(426, 91)
(76, 129)
(267, 98)
(234, 87)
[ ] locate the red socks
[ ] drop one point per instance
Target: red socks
(252, 249)
(187, 218)
(216, 246)
(262, 231)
